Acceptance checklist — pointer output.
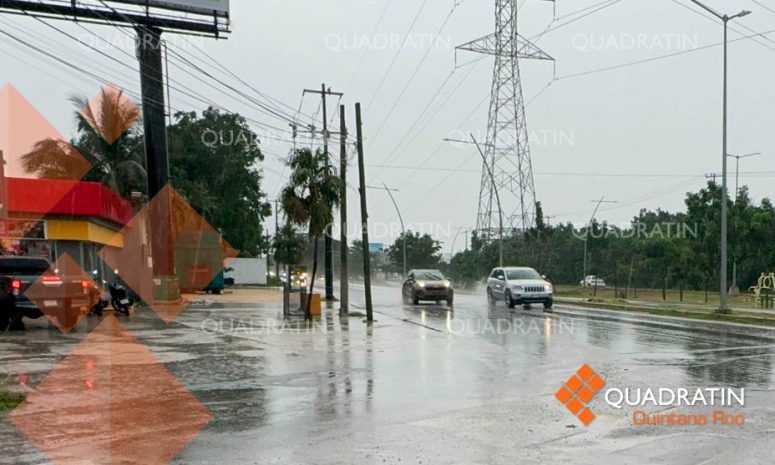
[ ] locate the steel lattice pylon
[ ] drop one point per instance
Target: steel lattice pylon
(507, 148)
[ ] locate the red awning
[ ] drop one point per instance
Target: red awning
(82, 199)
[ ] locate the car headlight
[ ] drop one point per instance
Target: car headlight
(548, 287)
(447, 284)
(517, 288)
(420, 284)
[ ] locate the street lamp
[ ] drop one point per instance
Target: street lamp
(497, 197)
(723, 298)
(454, 241)
(737, 170)
(589, 226)
(737, 193)
(400, 218)
(494, 188)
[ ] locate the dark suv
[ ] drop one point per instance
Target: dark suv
(17, 274)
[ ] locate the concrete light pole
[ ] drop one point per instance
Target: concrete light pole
(737, 158)
(723, 297)
(589, 226)
(497, 197)
(400, 218)
(494, 187)
(737, 169)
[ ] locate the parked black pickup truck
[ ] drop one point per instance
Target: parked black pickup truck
(56, 296)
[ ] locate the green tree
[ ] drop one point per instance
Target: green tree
(289, 246)
(213, 161)
(309, 199)
(108, 138)
(422, 251)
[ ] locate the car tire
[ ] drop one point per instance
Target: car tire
(450, 300)
(490, 298)
(509, 301)
(415, 300)
(548, 304)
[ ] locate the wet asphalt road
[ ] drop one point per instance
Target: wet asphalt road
(426, 384)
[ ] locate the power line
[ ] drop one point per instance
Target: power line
(604, 4)
(431, 117)
(395, 57)
(731, 27)
(261, 105)
(414, 73)
(657, 58)
(365, 49)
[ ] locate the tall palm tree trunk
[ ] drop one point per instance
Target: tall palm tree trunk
(308, 311)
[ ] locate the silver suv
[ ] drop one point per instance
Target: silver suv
(519, 286)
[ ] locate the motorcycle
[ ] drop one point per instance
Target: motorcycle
(97, 296)
(119, 296)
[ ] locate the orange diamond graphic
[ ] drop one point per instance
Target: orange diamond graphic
(191, 249)
(110, 402)
(585, 372)
(578, 391)
(62, 293)
(586, 416)
(574, 383)
(32, 148)
(563, 395)
(596, 383)
(110, 114)
(574, 405)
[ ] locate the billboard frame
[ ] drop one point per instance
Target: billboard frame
(203, 25)
(177, 5)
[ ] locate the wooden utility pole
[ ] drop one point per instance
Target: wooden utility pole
(344, 294)
(329, 245)
(364, 216)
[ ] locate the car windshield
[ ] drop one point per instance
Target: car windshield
(21, 265)
(522, 274)
(429, 275)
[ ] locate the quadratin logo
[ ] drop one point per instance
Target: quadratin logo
(576, 393)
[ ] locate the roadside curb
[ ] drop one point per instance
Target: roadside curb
(736, 317)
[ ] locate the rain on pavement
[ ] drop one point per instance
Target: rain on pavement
(428, 384)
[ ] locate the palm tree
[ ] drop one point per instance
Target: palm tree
(309, 199)
(108, 139)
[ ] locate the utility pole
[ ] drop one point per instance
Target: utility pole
(344, 292)
(149, 55)
(328, 240)
(364, 216)
(276, 234)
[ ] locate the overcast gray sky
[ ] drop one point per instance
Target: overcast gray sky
(642, 135)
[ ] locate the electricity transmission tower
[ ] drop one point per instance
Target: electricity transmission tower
(507, 153)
